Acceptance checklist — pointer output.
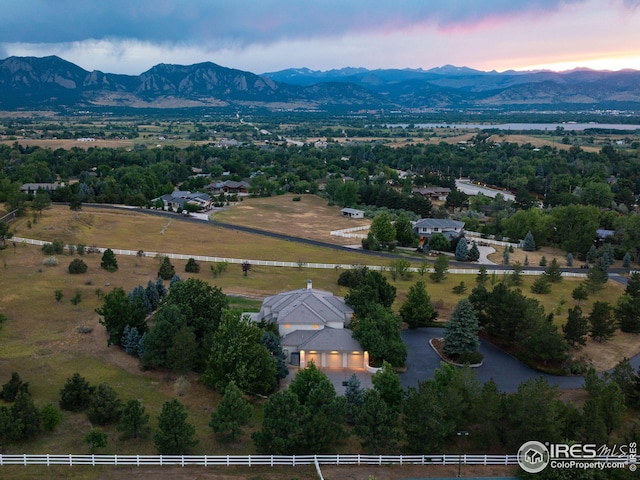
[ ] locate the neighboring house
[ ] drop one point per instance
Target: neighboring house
(32, 188)
(433, 193)
(178, 198)
(428, 226)
(352, 213)
(229, 186)
(312, 325)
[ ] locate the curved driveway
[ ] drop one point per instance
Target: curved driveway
(507, 371)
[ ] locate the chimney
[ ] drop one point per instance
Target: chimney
(309, 285)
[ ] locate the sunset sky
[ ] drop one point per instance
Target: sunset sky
(130, 36)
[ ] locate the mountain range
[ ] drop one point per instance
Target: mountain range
(53, 83)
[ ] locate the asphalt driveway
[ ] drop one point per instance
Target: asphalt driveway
(506, 371)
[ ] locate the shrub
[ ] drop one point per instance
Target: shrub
(192, 266)
(50, 261)
(167, 270)
(77, 266)
(472, 358)
(296, 199)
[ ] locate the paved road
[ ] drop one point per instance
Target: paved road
(507, 372)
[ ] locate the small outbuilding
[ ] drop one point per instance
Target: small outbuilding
(352, 213)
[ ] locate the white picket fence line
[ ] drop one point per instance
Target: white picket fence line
(255, 460)
(273, 263)
(348, 232)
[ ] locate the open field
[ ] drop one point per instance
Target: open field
(311, 217)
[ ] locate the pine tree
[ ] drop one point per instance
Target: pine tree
(541, 285)
(232, 414)
(474, 253)
(440, 269)
(167, 270)
(516, 276)
(569, 259)
(529, 244)
(543, 261)
(76, 394)
(553, 272)
(602, 321)
(417, 310)
(505, 256)
(526, 260)
(580, 293)
(354, 396)
(174, 435)
(14, 386)
(462, 251)
(461, 333)
(376, 423)
(482, 277)
(626, 260)
(109, 261)
(134, 421)
(105, 406)
(27, 415)
(576, 328)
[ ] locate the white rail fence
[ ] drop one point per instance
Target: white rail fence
(348, 232)
(254, 460)
(272, 263)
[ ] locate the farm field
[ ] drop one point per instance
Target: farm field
(41, 341)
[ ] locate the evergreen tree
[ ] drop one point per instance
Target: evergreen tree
(417, 310)
(633, 285)
(376, 424)
(152, 294)
(424, 420)
(627, 313)
(134, 421)
(232, 414)
(174, 436)
(543, 261)
(162, 290)
(569, 260)
(592, 255)
(14, 386)
(440, 269)
(387, 382)
(462, 251)
(505, 256)
(130, 340)
(167, 270)
(474, 253)
(553, 272)
(626, 260)
(516, 276)
(461, 333)
(526, 260)
(76, 394)
(541, 285)
(529, 244)
(272, 342)
(26, 415)
(354, 396)
(105, 406)
(182, 352)
(109, 261)
(602, 322)
(192, 266)
(138, 296)
(576, 328)
(281, 425)
(459, 289)
(595, 280)
(580, 293)
(117, 312)
(482, 277)
(10, 427)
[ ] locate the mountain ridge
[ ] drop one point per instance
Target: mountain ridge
(52, 82)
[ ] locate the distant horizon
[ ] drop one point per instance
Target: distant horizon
(124, 37)
(418, 69)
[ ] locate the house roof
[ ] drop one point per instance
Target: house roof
(337, 339)
(305, 306)
(351, 210)
(440, 223)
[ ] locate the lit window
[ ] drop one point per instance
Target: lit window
(315, 326)
(287, 325)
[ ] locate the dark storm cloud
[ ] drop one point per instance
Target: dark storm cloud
(242, 21)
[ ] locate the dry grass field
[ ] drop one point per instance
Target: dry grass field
(40, 339)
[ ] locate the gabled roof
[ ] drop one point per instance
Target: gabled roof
(338, 339)
(440, 223)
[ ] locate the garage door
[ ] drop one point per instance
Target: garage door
(334, 359)
(315, 356)
(355, 360)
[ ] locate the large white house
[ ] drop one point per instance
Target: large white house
(429, 226)
(312, 324)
